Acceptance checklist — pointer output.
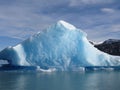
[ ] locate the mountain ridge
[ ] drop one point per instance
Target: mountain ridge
(110, 46)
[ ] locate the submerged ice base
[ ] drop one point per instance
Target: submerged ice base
(61, 46)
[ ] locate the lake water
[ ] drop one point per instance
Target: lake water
(94, 80)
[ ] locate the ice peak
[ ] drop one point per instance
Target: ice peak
(66, 25)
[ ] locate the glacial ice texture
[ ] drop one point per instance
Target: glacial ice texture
(61, 46)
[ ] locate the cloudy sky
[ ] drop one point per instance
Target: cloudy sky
(20, 19)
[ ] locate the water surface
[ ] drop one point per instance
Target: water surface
(95, 80)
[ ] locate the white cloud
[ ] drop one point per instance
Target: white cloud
(116, 28)
(19, 21)
(18, 18)
(104, 32)
(108, 10)
(88, 2)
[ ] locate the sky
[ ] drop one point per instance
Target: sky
(19, 19)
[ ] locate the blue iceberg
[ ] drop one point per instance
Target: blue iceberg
(59, 47)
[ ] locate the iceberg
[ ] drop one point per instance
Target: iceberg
(61, 46)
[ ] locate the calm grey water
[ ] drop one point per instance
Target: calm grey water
(102, 80)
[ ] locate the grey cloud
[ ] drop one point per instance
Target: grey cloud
(22, 18)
